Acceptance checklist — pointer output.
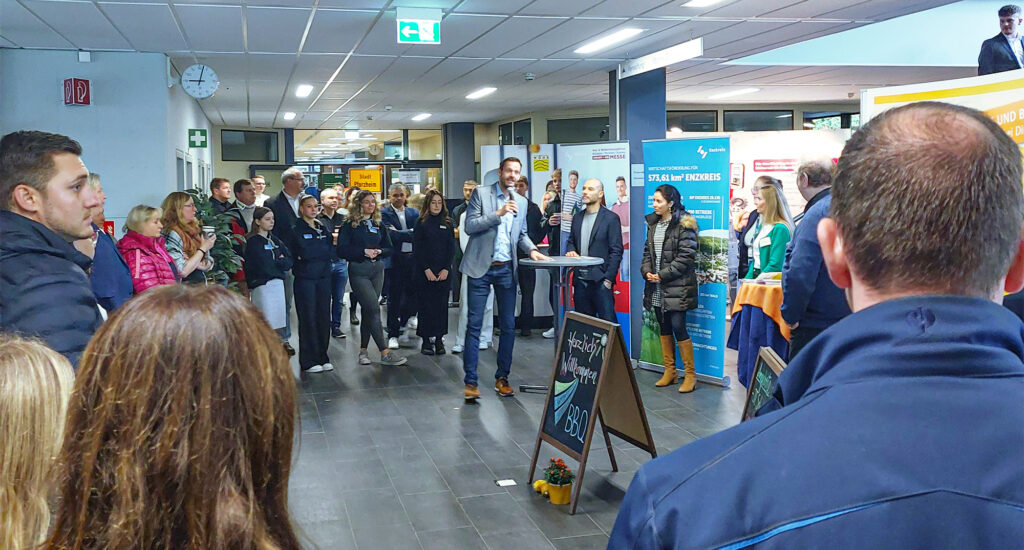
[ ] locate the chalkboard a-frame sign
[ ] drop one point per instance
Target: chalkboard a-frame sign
(763, 381)
(592, 380)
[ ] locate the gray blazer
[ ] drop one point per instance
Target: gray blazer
(482, 227)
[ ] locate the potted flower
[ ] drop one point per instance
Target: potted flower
(559, 480)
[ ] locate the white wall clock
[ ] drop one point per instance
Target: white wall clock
(199, 81)
(374, 149)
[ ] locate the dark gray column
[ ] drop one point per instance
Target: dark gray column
(459, 154)
(637, 113)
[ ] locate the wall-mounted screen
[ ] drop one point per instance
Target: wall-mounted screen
(248, 145)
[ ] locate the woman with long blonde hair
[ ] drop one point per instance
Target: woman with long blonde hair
(35, 383)
(772, 232)
(184, 240)
(175, 440)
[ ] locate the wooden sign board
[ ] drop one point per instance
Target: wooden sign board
(763, 381)
(592, 380)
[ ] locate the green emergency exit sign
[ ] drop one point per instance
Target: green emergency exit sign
(419, 32)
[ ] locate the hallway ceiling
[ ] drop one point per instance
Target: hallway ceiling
(263, 49)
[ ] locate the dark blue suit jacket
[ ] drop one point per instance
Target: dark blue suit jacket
(902, 428)
(996, 56)
(605, 243)
(809, 295)
(110, 278)
(389, 219)
(284, 219)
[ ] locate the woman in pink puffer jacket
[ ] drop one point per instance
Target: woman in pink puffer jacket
(143, 249)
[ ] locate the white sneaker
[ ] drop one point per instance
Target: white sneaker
(327, 366)
(392, 343)
(549, 333)
(485, 345)
(364, 359)
(414, 323)
(403, 340)
(457, 348)
(316, 368)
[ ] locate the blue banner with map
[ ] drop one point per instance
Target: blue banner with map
(699, 169)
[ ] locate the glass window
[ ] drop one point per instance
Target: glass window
(578, 130)
(425, 144)
(735, 121)
(393, 150)
(692, 121)
(505, 134)
(521, 132)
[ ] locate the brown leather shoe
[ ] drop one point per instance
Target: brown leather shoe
(501, 386)
(471, 392)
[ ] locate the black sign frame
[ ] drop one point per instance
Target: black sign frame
(766, 357)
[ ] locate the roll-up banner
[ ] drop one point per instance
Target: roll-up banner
(607, 161)
(699, 170)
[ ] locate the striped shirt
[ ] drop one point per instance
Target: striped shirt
(659, 241)
(572, 202)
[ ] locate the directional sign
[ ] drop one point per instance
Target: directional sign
(196, 137)
(419, 32)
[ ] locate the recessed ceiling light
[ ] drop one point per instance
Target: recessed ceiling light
(421, 116)
(303, 90)
(609, 40)
(482, 92)
(336, 139)
(351, 134)
(808, 125)
(289, 115)
(676, 130)
(734, 93)
(787, 115)
(700, 3)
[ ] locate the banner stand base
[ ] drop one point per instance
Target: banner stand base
(724, 381)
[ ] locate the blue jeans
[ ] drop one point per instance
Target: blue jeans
(501, 278)
(339, 278)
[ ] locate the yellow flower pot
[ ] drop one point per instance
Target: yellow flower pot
(559, 494)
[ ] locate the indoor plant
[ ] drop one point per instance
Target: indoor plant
(559, 480)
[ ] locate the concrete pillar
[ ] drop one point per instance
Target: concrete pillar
(459, 153)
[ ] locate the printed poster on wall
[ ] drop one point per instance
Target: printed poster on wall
(607, 161)
(699, 170)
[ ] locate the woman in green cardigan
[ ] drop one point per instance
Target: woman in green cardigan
(771, 234)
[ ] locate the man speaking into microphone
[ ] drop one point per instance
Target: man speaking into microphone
(496, 224)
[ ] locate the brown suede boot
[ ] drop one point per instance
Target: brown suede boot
(668, 355)
(689, 372)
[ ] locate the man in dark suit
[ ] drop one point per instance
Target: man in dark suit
(285, 206)
(528, 277)
(400, 220)
(597, 232)
(467, 189)
(1004, 51)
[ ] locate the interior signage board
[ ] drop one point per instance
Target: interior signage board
(663, 58)
(419, 26)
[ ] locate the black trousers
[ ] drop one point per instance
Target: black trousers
(313, 307)
(399, 281)
(672, 323)
(433, 308)
(527, 284)
(800, 337)
(594, 299)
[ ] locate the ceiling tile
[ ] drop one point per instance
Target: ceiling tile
(459, 30)
(809, 8)
(264, 28)
(438, 4)
(633, 8)
(227, 66)
(559, 7)
(491, 6)
(341, 90)
(337, 31)
(26, 30)
(212, 28)
(354, 4)
(661, 34)
(4, 43)
(149, 27)
(362, 69)
(81, 23)
(883, 9)
(509, 35)
(748, 8)
(264, 66)
(383, 37)
(398, 75)
(567, 36)
(447, 71)
(316, 68)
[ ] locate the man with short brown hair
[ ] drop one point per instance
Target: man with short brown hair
(901, 425)
(45, 205)
(220, 195)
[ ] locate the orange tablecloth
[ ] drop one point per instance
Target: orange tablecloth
(766, 297)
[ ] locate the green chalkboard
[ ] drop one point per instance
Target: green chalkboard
(763, 381)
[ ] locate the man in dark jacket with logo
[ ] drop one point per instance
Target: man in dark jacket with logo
(902, 424)
(811, 301)
(45, 205)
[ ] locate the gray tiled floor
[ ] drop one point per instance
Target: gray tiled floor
(392, 458)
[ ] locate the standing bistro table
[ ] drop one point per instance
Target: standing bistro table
(757, 321)
(561, 265)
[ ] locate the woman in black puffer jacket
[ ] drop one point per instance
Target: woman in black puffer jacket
(669, 268)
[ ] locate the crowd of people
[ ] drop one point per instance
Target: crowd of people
(159, 434)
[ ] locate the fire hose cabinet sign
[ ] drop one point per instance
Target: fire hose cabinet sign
(77, 91)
